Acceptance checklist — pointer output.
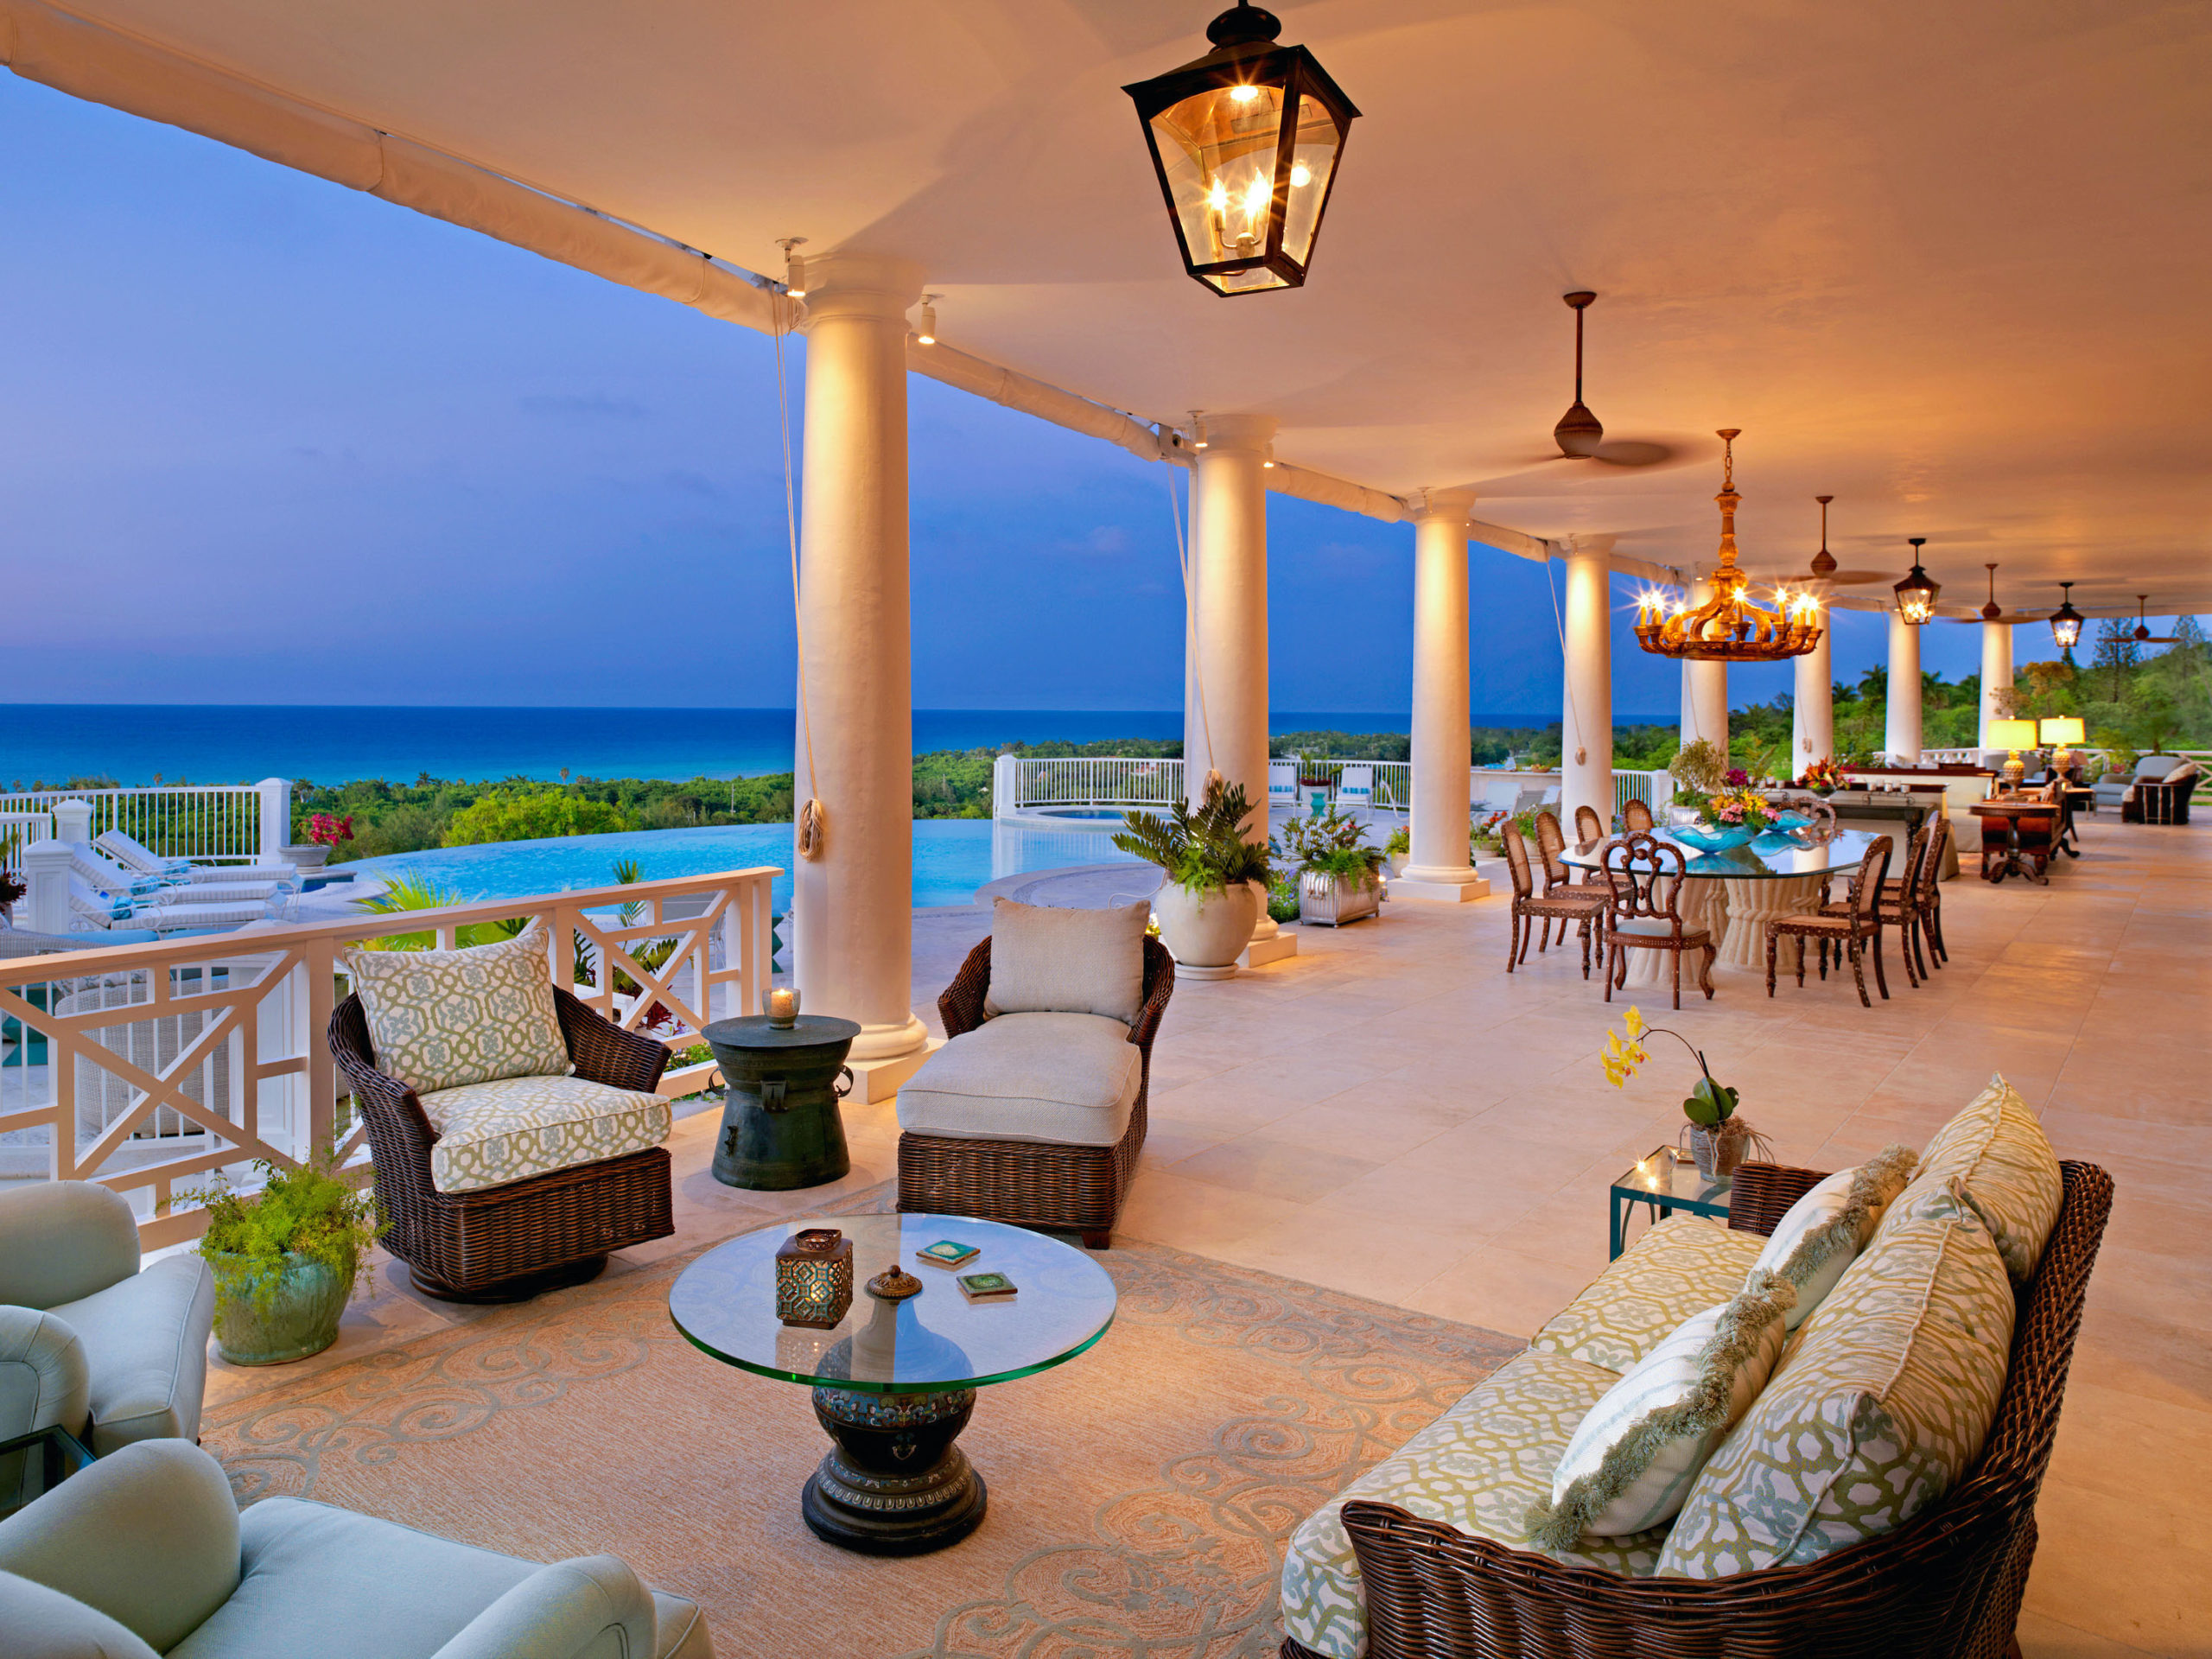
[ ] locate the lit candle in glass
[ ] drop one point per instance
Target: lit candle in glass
(780, 1004)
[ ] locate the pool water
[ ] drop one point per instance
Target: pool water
(952, 858)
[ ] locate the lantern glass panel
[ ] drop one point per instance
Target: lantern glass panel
(1218, 149)
(1313, 162)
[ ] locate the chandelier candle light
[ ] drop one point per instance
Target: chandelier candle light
(1245, 142)
(1729, 627)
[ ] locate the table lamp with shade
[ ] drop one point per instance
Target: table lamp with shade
(2059, 731)
(2011, 735)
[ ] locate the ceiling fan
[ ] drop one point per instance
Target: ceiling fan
(1992, 612)
(1824, 567)
(1579, 434)
(2143, 635)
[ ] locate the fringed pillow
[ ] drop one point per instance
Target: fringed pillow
(1825, 1229)
(1631, 1462)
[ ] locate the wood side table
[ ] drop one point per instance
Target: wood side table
(2017, 838)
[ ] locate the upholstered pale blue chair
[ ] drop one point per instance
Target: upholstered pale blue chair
(88, 1341)
(145, 1553)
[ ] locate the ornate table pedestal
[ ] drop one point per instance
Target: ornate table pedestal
(894, 1483)
(1752, 905)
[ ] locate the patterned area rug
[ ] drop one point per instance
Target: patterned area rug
(1139, 1494)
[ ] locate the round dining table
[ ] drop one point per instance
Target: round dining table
(1734, 895)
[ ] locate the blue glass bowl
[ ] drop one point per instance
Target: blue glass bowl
(1714, 838)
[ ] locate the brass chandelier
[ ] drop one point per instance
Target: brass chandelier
(1728, 627)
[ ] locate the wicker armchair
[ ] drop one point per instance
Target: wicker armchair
(1033, 1182)
(1583, 907)
(1946, 1585)
(504, 1244)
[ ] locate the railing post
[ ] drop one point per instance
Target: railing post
(1005, 786)
(275, 818)
(73, 822)
(46, 873)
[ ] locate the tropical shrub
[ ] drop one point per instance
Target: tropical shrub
(534, 814)
(1202, 849)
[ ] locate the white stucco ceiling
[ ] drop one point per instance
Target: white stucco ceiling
(1950, 263)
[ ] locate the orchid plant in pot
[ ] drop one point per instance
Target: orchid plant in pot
(1715, 1136)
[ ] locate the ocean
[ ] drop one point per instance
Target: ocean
(173, 743)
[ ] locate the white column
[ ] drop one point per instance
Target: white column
(1225, 710)
(1996, 675)
(275, 818)
(1586, 710)
(1704, 690)
(46, 881)
(73, 822)
(1812, 723)
(1438, 866)
(853, 906)
(1901, 727)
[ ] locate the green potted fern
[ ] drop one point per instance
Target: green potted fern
(1339, 875)
(286, 1259)
(1208, 903)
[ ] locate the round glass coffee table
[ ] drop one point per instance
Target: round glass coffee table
(1735, 893)
(894, 1381)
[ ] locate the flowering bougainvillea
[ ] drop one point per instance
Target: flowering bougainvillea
(327, 831)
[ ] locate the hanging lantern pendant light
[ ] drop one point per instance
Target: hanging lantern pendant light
(1916, 593)
(1245, 142)
(1728, 627)
(2065, 623)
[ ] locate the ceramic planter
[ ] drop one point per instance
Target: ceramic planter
(299, 1321)
(1333, 901)
(1720, 1149)
(1206, 931)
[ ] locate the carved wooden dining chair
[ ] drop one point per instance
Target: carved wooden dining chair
(1583, 907)
(1637, 817)
(1852, 927)
(1644, 885)
(1588, 827)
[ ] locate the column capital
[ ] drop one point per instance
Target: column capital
(1239, 432)
(1443, 507)
(875, 286)
(1587, 547)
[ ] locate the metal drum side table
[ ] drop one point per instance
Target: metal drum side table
(781, 1127)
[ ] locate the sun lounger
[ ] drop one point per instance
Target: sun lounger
(135, 856)
(1356, 787)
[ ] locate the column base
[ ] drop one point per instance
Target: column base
(1261, 952)
(1451, 886)
(879, 1080)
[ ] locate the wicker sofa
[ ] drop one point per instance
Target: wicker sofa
(1948, 1581)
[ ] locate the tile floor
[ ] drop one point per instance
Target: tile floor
(1391, 1113)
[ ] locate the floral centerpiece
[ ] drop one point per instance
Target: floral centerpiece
(1733, 816)
(1822, 778)
(1719, 1140)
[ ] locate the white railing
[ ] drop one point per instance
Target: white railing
(228, 822)
(1097, 780)
(149, 1068)
(1655, 789)
(18, 829)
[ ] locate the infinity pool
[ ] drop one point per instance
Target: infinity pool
(952, 858)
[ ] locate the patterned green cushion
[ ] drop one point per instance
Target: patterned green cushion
(1683, 1265)
(1632, 1459)
(1881, 1400)
(441, 1019)
(2011, 1174)
(1825, 1230)
(510, 1128)
(1478, 1468)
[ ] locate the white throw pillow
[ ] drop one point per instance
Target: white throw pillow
(1631, 1462)
(2187, 769)
(1825, 1230)
(1050, 961)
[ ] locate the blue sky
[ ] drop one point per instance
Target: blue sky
(266, 440)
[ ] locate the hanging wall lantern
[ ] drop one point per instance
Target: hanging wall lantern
(2066, 622)
(1916, 593)
(1246, 140)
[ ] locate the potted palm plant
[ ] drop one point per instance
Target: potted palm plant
(286, 1259)
(1339, 875)
(1207, 904)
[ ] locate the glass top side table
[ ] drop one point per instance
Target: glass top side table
(894, 1381)
(1666, 1180)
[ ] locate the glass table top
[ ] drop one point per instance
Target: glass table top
(1771, 857)
(1667, 1176)
(725, 1304)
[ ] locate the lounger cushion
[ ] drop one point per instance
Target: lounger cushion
(443, 1019)
(1064, 1079)
(43, 1623)
(1680, 1266)
(1051, 961)
(1824, 1230)
(510, 1128)
(1881, 1402)
(1998, 1151)
(1479, 1468)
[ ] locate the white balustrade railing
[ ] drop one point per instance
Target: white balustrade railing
(225, 822)
(151, 1068)
(1093, 780)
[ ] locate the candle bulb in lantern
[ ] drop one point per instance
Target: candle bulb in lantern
(780, 1004)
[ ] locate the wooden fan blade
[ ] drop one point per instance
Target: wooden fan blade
(1633, 452)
